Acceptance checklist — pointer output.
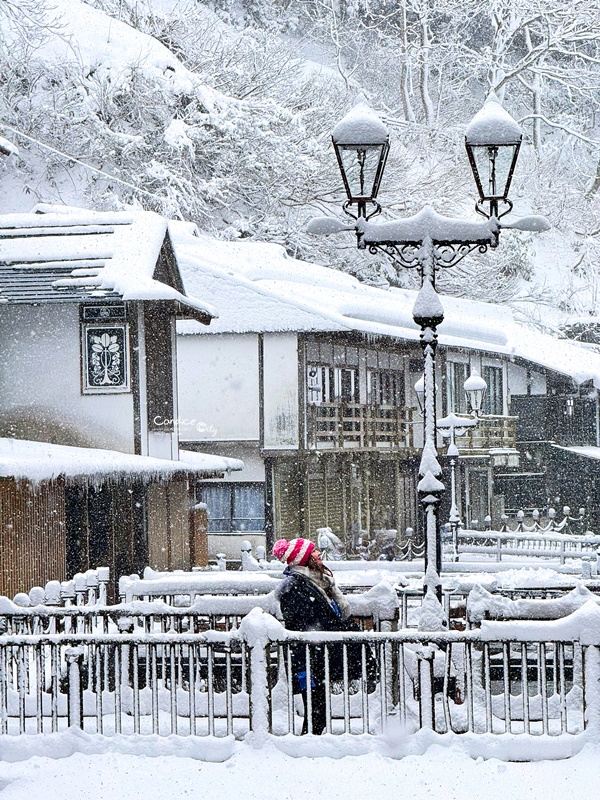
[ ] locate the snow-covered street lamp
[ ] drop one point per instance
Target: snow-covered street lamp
(493, 140)
(427, 242)
(475, 388)
(450, 427)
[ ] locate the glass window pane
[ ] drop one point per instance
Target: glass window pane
(493, 401)
(360, 166)
(248, 507)
(218, 504)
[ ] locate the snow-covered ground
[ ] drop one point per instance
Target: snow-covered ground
(269, 774)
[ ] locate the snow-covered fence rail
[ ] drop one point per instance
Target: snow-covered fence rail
(536, 681)
(544, 522)
(499, 545)
(185, 588)
(85, 588)
(376, 608)
(166, 684)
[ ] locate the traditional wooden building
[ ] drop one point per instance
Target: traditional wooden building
(88, 303)
(312, 379)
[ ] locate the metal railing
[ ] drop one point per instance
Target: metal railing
(557, 546)
(165, 684)
(372, 609)
(444, 682)
(537, 683)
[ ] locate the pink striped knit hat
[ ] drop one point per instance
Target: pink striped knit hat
(294, 553)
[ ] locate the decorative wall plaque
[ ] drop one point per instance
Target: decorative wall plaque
(105, 358)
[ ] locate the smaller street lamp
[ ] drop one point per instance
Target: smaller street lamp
(475, 388)
(450, 427)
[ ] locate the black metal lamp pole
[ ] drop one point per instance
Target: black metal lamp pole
(426, 242)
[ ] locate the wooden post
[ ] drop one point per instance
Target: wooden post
(199, 536)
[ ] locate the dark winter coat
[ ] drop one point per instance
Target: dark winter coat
(304, 607)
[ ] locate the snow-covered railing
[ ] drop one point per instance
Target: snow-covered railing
(375, 608)
(482, 605)
(149, 683)
(538, 682)
(536, 522)
(498, 544)
(185, 588)
(85, 588)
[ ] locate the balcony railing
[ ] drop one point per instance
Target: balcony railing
(344, 426)
(491, 433)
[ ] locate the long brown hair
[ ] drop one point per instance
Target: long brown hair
(318, 566)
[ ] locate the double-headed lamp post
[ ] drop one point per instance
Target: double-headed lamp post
(427, 242)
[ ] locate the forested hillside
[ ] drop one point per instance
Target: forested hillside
(221, 113)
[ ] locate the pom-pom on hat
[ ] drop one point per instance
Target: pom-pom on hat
(294, 553)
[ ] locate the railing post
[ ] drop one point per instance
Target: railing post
(258, 630)
(591, 691)
(426, 697)
(74, 656)
(103, 579)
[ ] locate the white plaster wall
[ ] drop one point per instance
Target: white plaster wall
(248, 452)
(280, 391)
(538, 383)
(218, 387)
(40, 383)
(517, 380)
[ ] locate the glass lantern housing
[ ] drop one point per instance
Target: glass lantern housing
(493, 140)
(475, 388)
(361, 143)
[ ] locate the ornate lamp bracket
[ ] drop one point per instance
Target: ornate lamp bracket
(407, 255)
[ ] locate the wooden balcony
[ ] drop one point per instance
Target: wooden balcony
(348, 426)
(492, 433)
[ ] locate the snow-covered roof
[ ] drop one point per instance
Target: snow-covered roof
(57, 253)
(40, 461)
(585, 452)
(259, 288)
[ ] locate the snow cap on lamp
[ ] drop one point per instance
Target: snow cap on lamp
(294, 553)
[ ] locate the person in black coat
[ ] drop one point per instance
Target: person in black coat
(311, 601)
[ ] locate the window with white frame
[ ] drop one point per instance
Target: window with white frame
(234, 507)
(331, 384)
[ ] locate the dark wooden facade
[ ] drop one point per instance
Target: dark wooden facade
(33, 524)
